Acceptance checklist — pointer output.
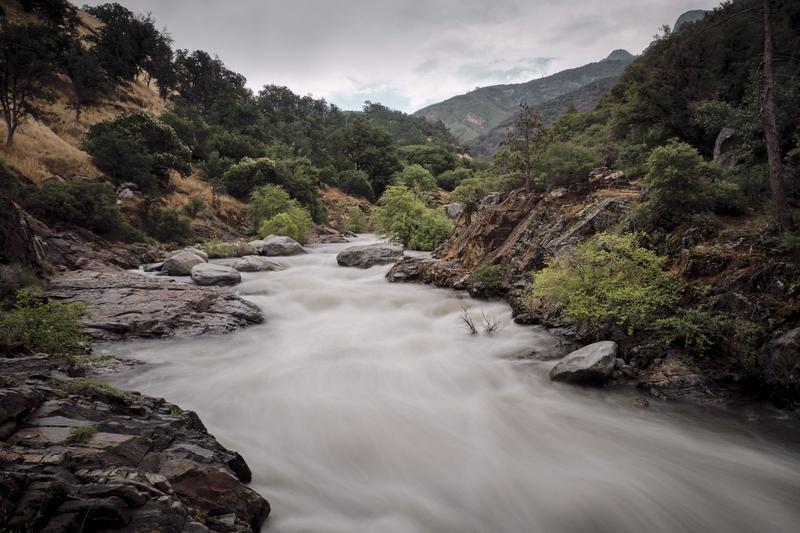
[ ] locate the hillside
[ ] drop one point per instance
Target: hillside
(470, 115)
(580, 100)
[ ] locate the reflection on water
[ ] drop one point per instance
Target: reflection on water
(363, 406)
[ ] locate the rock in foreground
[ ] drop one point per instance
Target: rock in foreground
(123, 305)
(275, 246)
(591, 365)
(255, 263)
(369, 255)
(77, 455)
(207, 274)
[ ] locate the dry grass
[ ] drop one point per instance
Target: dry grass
(228, 208)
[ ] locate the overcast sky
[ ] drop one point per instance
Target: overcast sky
(407, 54)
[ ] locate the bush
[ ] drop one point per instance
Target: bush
(356, 183)
(295, 223)
(44, 327)
(565, 164)
(241, 178)
(194, 206)
(416, 178)
(435, 159)
(450, 179)
(609, 279)
(87, 204)
(676, 186)
(138, 147)
(267, 201)
(727, 198)
(168, 226)
(403, 217)
(490, 276)
(223, 250)
(472, 190)
(354, 220)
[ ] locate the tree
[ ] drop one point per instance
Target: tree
(27, 68)
(416, 178)
(771, 138)
(371, 149)
(522, 142)
(86, 77)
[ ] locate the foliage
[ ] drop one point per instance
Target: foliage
(88, 82)
(692, 327)
(356, 183)
(355, 220)
(244, 176)
(565, 164)
(371, 150)
(81, 434)
(408, 129)
(44, 327)
(87, 204)
(471, 190)
(166, 225)
(194, 206)
(94, 388)
(490, 276)
(295, 223)
(524, 143)
(609, 279)
(221, 250)
(416, 178)
(401, 216)
(137, 147)
(450, 179)
(435, 159)
(267, 201)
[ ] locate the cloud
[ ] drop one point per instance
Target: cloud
(407, 54)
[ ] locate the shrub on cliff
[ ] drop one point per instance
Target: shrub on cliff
(87, 204)
(565, 164)
(403, 217)
(46, 327)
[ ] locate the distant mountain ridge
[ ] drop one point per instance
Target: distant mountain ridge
(475, 113)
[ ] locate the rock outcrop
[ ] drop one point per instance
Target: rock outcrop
(181, 263)
(369, 255)
(78, 455)
(276, 246)
(208, 274)
(124, 305)
(255, 263)
(590, 365)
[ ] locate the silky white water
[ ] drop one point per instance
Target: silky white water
(364, 406)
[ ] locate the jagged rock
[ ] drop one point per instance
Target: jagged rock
(275, 246)
(674, 378)
(369, 255)
(255, 263)
(181, 263)
(177, 478)
(123, 305)
(725, 147)
(591, 365)
(428, 270)
(454, 210)
(206, 274)
(782, 368)
(327, 235)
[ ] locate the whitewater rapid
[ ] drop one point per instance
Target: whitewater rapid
(364, 406)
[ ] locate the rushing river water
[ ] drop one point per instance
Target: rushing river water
(363, 406)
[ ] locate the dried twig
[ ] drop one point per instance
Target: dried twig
(469, 323)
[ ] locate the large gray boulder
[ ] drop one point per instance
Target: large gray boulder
(591, 365)
(197, 251)
(181, 263)
(454, 210)
(726, 147)
(369, 255)
(274, 246)
(207, 274)
(120, 305)
(255, 263)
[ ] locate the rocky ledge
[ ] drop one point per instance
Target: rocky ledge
(78, 455)
(121, 305)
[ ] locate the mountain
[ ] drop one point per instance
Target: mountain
(687, 18)
(580, 100)
(470, 115)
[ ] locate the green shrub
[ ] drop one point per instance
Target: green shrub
(223, 250)
(676, 183)
(401, 216)
(355, 220)
(194, 206)
(472, 190)
(356, 183)
(435, 159)
(267, 201)
(87, 204)
(565, 164)
(44, 327)
(81, 434)
(609, 279)
(166, 225)
(450, 179)
(95, 389)
(727, 198)
(295, 223)
(416, 178)
(695, 328)
(244, 176)
(490, 276)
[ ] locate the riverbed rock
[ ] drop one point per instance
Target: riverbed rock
(369, 255)
(124, 305)
(591, 365)
(275, 246)
(255, 263)
(429, 270)
(196, 251)
(181, 263)
(674, 378)
(142, 464)
(208, 274)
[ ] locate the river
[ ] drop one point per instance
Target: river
(364, 406)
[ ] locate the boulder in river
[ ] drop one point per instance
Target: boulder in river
(206, 274)
(196, 251)
(122, 305)
(369, 255)
(78, 455)
(274, 246)
(255, 263)
(591, 365)
(181, 263)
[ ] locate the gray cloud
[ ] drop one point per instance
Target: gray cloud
(407, 54)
